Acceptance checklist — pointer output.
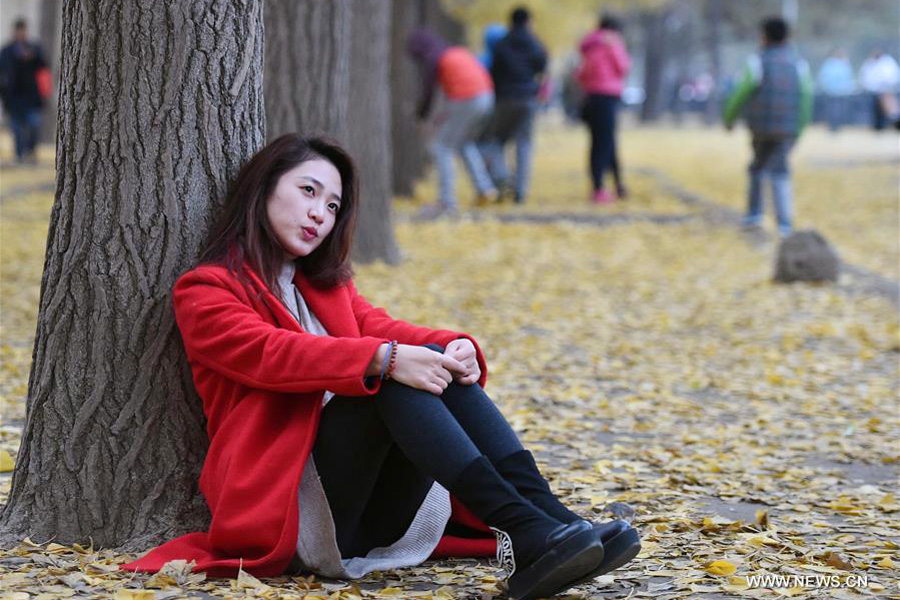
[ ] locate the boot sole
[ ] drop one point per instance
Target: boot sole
(559, 569)
(618, 551)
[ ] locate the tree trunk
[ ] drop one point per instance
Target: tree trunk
(713, 18)
(326, 74)
(654, 24)
(434, 15)
(369, 135)
(51, 13)
(409, 156)
(307, 82)
(159, 105)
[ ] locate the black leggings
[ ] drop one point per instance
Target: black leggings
(368, 449)
(600, 115)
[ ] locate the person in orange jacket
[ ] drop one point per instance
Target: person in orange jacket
(337, 433)
(466, 106)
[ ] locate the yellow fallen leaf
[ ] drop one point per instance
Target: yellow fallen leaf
(391, 591)
(6, 462)
(885, 563)
(124, 594)
(794, 591)
(720, 567)
(247, 581)
(736, 584)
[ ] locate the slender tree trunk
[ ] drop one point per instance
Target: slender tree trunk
(369, 135)
(50, 34)
(654, 24)
(159, 105)
(713, 19)
(409, 156)
(307, 82)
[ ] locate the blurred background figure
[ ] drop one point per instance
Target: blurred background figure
(519, 63)
(24, 84)
(466, 105)
(836, 83)
(775, 93)
(604, 66)
(493, 33)
(879, 76)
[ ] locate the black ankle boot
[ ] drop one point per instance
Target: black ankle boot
(520, 470)
(541, 556)
(621, 542)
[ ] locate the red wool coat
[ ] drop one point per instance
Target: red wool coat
(261, 379)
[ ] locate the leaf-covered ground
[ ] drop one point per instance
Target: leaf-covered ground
(641, 350)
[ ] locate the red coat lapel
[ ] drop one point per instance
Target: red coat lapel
(331, 306)
(281, 314)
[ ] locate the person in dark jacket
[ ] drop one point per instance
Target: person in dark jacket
(775, 95)
(20, 62)
(519, 60)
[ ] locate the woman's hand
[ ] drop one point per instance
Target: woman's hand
(463, 350)
(425, 369)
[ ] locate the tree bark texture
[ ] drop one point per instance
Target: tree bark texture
(159, 105)
(327, 72)
(50, 33)
(369, 134)
(307, 65)
(409, 156)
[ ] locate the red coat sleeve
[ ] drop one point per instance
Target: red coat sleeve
(224, 333)
(377, 322)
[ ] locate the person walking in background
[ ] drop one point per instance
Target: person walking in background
(879, 76)
(467, 103)
(519, 61)
(836, 81)
(493, 33)
(775, 93)
(22, 68)
(605, 64)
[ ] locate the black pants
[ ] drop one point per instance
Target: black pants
(378, 456)
(599, 112)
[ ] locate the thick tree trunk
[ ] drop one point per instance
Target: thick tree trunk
(326, 74)
(159, 105)
(409, 156)
(307, 82)
(369, 134)
(51, 22)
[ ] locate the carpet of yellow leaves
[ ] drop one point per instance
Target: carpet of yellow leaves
(752, 426)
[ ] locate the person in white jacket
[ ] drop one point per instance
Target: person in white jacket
(879, 75)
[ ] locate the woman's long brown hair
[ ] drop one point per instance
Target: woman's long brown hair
(242, 233)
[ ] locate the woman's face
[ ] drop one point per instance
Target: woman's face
(304, 206)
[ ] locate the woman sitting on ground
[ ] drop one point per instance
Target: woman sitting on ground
(337, 431)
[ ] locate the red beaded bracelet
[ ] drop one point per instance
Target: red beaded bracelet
(393, 360)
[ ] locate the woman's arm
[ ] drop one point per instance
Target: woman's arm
(225, 334)
(376, 322)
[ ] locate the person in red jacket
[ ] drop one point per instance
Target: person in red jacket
(337, 433)
(604, 65)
